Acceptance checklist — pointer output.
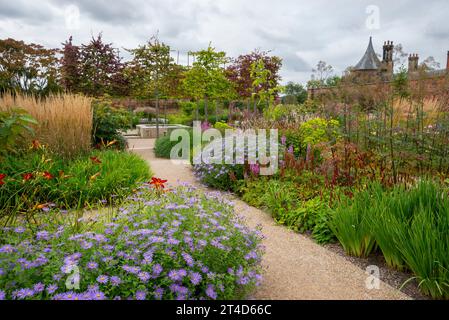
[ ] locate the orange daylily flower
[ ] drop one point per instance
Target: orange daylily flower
(35, 144)
(95, 176)
(157, 183)
(47, 175)
(62, 175)
(95, 160)
(27, 176)
(110, 143)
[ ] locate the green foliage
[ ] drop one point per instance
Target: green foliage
(351, 226)
(295, 93)
(278, 112)
(319, 130)
(411, 228)
(264, 89)
(108, 121)
(292, 205)
(69, 184)
(207, 79)
(163, 145)
(178, 245)
(14, 125)
(220, 176)
(222, 126)
(153, 72)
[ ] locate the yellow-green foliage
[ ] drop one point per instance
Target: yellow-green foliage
(319, 130)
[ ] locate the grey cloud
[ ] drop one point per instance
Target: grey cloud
(25, 11)
(301, 32)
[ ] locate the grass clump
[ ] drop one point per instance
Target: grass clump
(38, 180)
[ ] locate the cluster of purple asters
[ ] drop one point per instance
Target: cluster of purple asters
(157, 246)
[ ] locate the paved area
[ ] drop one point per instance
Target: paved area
(294, 266)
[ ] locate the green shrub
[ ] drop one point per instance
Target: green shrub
(177, 245)
(108, 121)
(319, 130)
(289, 206)
(163, 145)
(39, 178)
(220, 176)
(180, 118)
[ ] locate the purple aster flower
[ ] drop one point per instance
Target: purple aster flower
(42, 235)
(19, 229)
(52, 288)
(39, 287)
(7, 248)
(115, 281)
(86, 245)
(141, 295)
(96, 295)
(195, 278)
(188, 259)
(92, 265)
(2, 295)
(23, 293)
(283, 140)
(173, 275)
(180, 290)
(157, 269)
(210, 292)
(102, 279)
(158, 293)
(57, 277)
(144, 276)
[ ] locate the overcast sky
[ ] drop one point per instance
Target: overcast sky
(299, 31)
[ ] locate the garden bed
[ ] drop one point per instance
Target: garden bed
(177, 244)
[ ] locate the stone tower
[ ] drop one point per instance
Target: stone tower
(367, 69)
(387, 60)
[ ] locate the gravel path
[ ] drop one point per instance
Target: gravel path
(295, 267)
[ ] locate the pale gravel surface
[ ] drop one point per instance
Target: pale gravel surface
(295, 268)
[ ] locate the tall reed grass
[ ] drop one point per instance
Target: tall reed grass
(64, 120)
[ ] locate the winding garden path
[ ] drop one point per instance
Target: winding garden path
(295, 267)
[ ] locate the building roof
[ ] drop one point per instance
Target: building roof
(369, 61)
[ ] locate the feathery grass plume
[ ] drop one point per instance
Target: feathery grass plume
(64, 120)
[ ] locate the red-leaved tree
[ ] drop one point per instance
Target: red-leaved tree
(239, 72)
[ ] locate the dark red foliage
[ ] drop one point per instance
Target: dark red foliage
(239, 72)
(93, 69)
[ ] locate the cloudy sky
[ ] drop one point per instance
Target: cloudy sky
(301, 32)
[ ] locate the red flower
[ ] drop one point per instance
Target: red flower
(157, 183)
(47, 175)
(95, 160)
(27, 176)
(35, 144)
(2, 176)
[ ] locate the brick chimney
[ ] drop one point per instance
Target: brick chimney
(387, 60)
(413, 62)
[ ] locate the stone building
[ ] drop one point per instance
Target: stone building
(371, 72)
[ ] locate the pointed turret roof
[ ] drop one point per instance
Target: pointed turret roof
(370, 61)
